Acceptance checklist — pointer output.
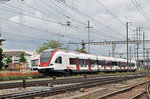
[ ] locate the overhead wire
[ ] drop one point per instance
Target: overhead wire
(101, 4)
(23, 14)
(141, 10)
(29, 26)
(78, 26)
(23, 36)
(31, 5)
(44, 13)
(112, 14)
(100, 33)
(44, 19)
(85, 15)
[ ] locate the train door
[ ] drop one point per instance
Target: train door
(65, 61)
(104, 65)
(58, 63)
(110, 65)
(83, 64)
(120, 65)
(89, 64)
(124, 65)
(77, 64)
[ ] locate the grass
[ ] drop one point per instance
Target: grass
(124, 82)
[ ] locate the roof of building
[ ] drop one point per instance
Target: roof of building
(15, 53)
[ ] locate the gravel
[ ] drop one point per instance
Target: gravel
(109, 87)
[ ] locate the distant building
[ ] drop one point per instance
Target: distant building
(15, 56)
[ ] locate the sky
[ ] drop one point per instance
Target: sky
(27, 24)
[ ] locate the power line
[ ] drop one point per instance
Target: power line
(137, 5)
(42, 12)
(99, 2)
(44, 19)
(23, 36)
(3, 1)
(85, 15)
(29, 26)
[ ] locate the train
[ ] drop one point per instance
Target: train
(55, 61)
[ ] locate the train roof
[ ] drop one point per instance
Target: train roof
(84, 55)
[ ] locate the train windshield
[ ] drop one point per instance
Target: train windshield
(46, 55)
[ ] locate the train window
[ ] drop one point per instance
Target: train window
(45, 56)
(85, 63)
(81, 62)
(122, 64)
(58, 60)
(72, 61)
(107, 63)
(100, 62)
(132, 64)
(114, 63)
(93, 63)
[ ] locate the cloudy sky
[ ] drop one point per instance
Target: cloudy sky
(27, 24)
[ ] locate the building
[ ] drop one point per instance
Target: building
(15, 56)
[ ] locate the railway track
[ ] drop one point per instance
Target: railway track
(144, 94)
(58, 90)
(52, 82)
(139, 91)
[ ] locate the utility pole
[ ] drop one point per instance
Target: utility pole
(144, 50)
(109, 53)
(83, 45)
(59, 37)
(130, 57)
(113, 49)
(88, 35)
(134, 49)
(127, 40)
(147, 59)
(139, 40)
(139, 33)
(137, 48)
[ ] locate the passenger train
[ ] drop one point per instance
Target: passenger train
(69, 62)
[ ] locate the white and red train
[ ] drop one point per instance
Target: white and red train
(68, 62)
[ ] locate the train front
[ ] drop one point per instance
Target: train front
(45, 62)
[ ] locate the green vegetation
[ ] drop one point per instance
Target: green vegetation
(8, 60)
(50, 44)
(125, 82)
(22, 58)
(1, 59)
(92, 95)
(81, 50)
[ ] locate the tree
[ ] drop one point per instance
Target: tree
(81, 50)
(50, 44)
(22, 58)
(1, 58)
(8, 60)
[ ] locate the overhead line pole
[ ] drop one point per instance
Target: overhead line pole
(139, 39)
(144, 49)
(137, 48)
(130, 56)
(127, 40)
(88, 36)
